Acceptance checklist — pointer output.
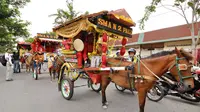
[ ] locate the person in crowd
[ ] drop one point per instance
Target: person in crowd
(132, 57)
(16, 62)
(118, 53)
(9, 65)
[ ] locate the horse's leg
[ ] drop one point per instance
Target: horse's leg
(104, 83)
(142, 98)
(26, 68)
(50, 74)
(54, 74)
(40, 66)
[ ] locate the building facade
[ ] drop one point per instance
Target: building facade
(166, 39)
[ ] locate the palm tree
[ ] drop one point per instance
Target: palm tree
(63, 16)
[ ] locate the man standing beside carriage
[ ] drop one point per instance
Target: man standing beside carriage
(16, 68)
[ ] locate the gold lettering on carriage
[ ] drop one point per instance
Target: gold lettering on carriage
(114, 26)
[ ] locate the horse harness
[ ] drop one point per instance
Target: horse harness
(130, 75)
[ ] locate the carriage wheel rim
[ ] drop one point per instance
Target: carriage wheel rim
(34, 75)
(119, 87)
(65, 88)
(96, 86)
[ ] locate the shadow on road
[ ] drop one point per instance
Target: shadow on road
(178, 99)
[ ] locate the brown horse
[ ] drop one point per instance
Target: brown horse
(23, 61)
(29, 63)
(38, 59)
(56, 66)
(144, 74)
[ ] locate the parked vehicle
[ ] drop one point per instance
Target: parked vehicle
(171, 87)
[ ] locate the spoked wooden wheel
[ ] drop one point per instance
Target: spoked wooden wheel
(95, 87)
(67, 88)
(35, 73)
(44, 66)
(119, 88)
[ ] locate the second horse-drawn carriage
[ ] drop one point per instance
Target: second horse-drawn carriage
(22, 48)
(43, 46)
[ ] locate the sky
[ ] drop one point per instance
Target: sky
(38, 11)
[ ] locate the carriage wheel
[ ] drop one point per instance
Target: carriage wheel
(119, 88)
(67, 88)
(35, 74)
(44, 66)
(95, 87)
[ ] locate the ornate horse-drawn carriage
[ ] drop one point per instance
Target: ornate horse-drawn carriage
(88, 39)
(43, 46)
(91, 37)
(22, 47)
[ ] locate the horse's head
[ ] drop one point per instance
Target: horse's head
(181, 69)
(39, 58)
(59, 60)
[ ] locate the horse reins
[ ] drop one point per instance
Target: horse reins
(140, 61)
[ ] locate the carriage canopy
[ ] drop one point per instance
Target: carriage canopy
(116, 23)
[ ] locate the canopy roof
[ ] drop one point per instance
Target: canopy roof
(47, 38)
(24, 43)
(116, 22)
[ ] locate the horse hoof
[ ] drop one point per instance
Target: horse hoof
(105, 106)
(106, 103)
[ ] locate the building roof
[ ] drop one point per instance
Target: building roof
(175, 33)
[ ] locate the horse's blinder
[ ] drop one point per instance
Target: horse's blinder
(180, 67)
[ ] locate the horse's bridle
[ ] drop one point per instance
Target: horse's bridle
(178, 67)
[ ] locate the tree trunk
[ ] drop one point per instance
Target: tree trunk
(193, 45)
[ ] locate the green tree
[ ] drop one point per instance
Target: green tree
(10, 23)
(50, 33)
(180, 7)
(30, 39)
(63, 16)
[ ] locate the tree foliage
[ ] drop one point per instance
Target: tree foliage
(180, 7)
(50, 33)
(30, 40)
(63, 15)
(11, 25)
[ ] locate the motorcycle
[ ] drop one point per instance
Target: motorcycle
(169, 86)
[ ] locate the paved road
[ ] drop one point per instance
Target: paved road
(27, 95)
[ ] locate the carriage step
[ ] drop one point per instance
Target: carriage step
(80, 86)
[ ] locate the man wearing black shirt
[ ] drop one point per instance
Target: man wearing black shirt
(16, 62)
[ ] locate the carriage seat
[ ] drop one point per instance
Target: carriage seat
(95, 61)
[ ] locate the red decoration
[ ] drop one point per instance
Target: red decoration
(94, 77)
(105, 37)
(122, 51)
(104, 48)
(80, 60)
(85, 51)
(64, 42)
(41, 49)
(103, 61)
(67, 47)
(33, 47)
(124, 41)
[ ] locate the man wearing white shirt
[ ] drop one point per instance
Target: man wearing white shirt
(9, 65)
